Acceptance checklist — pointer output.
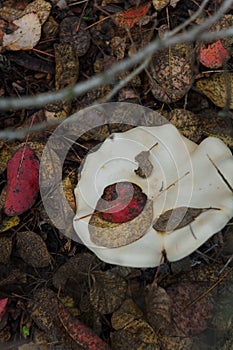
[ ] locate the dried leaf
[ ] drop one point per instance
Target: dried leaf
(160, 4)
(22, 181)
(32, 249)
(127, 313)
(8, 223)
(218, 88)
(5, 249)
(177, 218)
(172, 73)
(83, 335)
(214, 55)
(190, 314)
(158, 306)
(145, 167)
(128, 18)
(112, 235)
(41, 7)
(5, 156)
(108, 291)
(68, 189)
(27, 34)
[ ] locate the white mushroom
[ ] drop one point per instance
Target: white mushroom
(183, 177)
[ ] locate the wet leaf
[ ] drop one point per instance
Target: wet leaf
(32, 249)
(108, 291)
(218, 88)
(214, 55)
(22, 181)
(83, 335)
(27, 34)
(191, 315)
(177, 218)
(128, 18)
(158, 306)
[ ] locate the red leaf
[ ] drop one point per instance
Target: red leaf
(214, 55)
(121, 202)
(3, 303)
(83, 335)
(22, 181)
(131, 16)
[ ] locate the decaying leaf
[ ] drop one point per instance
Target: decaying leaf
(22, 181)
(27, 34)
(172, 73)
(133, 332)
(160, 4)
(32, 249)
(218, 88)
(8, 223)
(191, 313)
(214, 55)
(177, 218)
(41, 7)
(5, 156)
(108, 291)
(158, 306)
(128, 18)
(5, 249)
(68, 189)
(82, 334)
(112, 235)
(145, 167)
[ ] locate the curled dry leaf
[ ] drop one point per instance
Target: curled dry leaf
(108, 291)
(218, 88)
(32, 249)
(82, 334)
(22, 181)
(177, 218)
(172, 73)
(27, 34)
(128, 18)
(191, 314)
(158, 306)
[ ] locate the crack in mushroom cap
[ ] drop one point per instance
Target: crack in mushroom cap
(183, 175)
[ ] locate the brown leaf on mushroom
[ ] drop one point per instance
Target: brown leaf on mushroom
(145, 166)
(177, 218)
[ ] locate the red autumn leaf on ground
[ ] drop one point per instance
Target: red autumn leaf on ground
(3, 304)
(121, 202)
(131, 16)
(22, 181)
(214, 55)
(82, 334)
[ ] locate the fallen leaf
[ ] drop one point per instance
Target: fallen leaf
(26, 36)
(177, 218)
(32, 249)
(108, 291)
(41, 7)
(158, 306)
(128, 18)
(191, 314)
(8, 223)
(218, 88)
(82, 334)
(160, 4)
(214, 55)
(145, 167)
(22, 181)
(5, 249)
(3, 304)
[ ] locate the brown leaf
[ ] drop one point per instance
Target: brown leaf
(177, 218)
(108, 291)
(32, 249)
(145, 167)
(112, 235)
(5, 249)
(158, 306)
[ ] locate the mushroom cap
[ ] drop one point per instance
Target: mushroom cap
(183, 175)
